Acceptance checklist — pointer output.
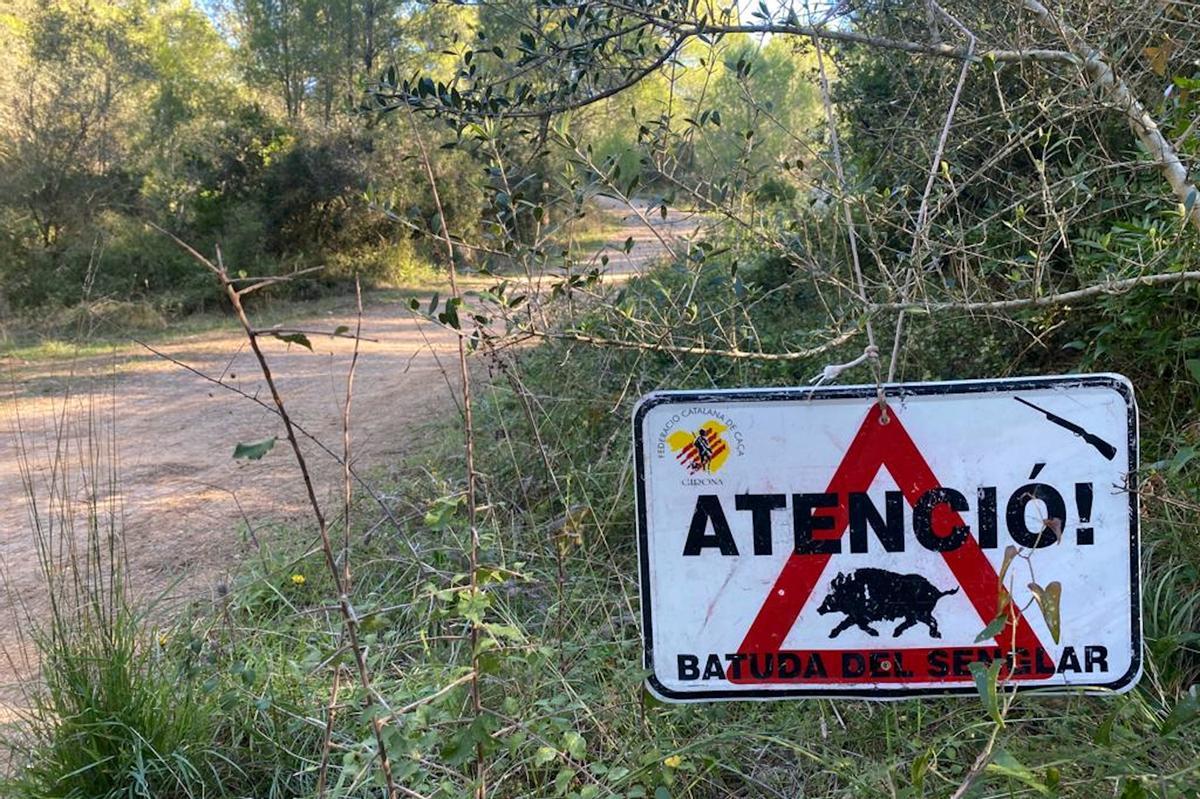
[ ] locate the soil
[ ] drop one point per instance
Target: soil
(185, 503)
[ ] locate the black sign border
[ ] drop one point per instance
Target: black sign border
(894, 392)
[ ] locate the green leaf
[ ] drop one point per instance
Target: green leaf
(985, 684)
(294, 338)
(562, 780)
(1193, 367)
(462, 747)
(1185, 711)
(254, 450)
(340, 329)
(1006, 765)
(993, 629)
(1010, 553)
(661, 793)
(617, 773)
(1183, 456)
(544, 755)
(450, 315)
(920, 766)
(1134, 789)
(575, 744)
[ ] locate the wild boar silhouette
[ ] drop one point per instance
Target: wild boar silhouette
(870, 595)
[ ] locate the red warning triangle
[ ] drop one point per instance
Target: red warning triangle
(887, 445)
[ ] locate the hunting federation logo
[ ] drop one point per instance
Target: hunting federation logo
(701, 440)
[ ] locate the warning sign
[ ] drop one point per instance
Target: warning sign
(815, 542)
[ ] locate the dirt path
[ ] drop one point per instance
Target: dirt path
(182, 494)
(185, 500)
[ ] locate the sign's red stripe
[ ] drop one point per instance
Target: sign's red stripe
(968, 563)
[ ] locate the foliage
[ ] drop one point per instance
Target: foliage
(146, 112)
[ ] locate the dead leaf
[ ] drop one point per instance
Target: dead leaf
(1055, 526)
(1049, 599)
(1159, 56)
(1010, 553)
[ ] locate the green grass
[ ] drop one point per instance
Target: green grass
(566, 714)
(113, 716)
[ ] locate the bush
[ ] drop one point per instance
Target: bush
(394, 263)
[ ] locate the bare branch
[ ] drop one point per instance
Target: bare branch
(918, 238)
(349, 615)
(794, 355)
(287, 331)
(1100, 289)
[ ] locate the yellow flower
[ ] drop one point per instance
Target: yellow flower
(297, 579)
(162, 639)
(673, 761)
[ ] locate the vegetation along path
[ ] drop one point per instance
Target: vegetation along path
(183, 497)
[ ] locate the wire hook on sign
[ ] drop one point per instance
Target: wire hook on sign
(834, 370)
(884, 416)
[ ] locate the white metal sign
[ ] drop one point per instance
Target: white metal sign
(805, 542)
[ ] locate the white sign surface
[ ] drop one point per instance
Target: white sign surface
(814, 542)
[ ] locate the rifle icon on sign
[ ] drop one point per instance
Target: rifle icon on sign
(1106, 449)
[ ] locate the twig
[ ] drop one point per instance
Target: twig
(286, 331)
(327, 739)
(793, 355)
(262, 278)
(346, 492)
(469, 447)
(681, 33)
(1110, 287)
(349, 616)
(425, 700)
(923, 211)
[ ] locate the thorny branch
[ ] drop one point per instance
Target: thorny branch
(349, 615)
(468, 446)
